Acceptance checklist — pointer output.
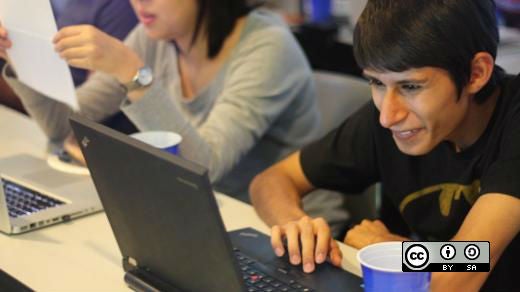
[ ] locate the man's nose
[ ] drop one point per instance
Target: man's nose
(393, 109)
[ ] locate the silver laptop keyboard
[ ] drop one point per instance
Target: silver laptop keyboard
(22, 201)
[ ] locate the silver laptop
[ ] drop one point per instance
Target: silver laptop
(33, 195)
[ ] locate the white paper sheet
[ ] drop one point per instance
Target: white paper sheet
(31, 27)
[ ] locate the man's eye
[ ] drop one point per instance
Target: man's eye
(411, 87)
(375, 82)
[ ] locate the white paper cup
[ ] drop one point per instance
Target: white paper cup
(168, 141)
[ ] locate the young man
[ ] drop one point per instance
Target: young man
(442, 136)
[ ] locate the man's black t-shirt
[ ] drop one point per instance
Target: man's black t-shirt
(433, 192)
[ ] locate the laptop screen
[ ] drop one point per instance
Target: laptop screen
(161, 209)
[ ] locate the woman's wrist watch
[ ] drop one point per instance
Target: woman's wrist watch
(143, 78)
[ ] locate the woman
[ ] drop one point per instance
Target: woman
(114, 17)
(231, 80)
(509, 12)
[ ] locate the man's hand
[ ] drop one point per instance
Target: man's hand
(369, 232)
(315, 239)
(86, 47)
(276, 195)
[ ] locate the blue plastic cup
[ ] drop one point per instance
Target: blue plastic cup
(167, 141)
(320, 10)
(381, 264)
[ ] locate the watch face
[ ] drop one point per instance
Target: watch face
(145, 76)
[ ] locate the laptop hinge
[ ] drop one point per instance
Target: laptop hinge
(5, 221)
(141, 280)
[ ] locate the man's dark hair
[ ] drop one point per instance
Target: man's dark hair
(397, 35)
(217, 18)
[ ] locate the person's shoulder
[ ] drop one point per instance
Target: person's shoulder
(266, 36)
(511, 91)
(514, 81)
(262, 17)
(267, 27)
(267, 45)
(514, 78)
(506, 114)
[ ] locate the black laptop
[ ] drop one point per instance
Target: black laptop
(167, 224)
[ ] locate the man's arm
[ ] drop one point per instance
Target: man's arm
(494, 218)
(276, 194)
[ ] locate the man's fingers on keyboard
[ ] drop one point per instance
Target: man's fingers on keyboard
(307, 240)
(277, 240)
(322, 245)
(335, 253)
(292, 234)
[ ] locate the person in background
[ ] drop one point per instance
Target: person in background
(229, 78)
(509, 10)
(114, 17)
(441, 135)
(7, 96)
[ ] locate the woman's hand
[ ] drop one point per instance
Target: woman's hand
(5, 43)
(86, 47)
(71, 146)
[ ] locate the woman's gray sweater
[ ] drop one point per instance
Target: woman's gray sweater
(259, 108)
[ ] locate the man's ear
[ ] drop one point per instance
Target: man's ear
(482, 67)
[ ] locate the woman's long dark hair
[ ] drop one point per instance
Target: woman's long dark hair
(218, 18)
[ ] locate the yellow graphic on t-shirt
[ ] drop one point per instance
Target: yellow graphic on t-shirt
(448, 193)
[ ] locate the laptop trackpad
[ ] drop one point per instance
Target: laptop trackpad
(52, 178)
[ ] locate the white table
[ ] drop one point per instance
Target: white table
(82, 255)
(19, 134)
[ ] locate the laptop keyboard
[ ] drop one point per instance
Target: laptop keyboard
(259, 281)
(22, 201)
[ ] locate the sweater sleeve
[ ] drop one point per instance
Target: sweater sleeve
(98, 98)
(266, 73)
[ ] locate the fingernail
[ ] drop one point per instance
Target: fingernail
(278, 251)
(307, 268)
(320, 258)
(338, 260)
(295, 259)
